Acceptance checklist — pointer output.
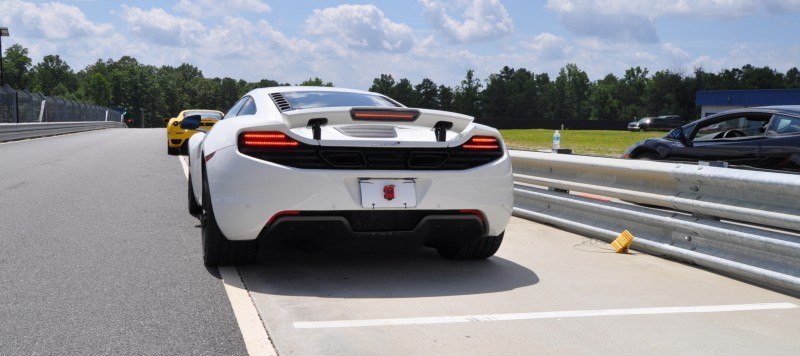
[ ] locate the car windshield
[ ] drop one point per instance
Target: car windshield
(204, 114)
(324, 99)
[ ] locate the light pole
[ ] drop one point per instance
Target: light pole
(3, 33)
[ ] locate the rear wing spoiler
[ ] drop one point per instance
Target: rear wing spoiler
(439, 121)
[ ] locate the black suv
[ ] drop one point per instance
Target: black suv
(661, 123)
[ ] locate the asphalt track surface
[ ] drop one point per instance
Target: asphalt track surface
(98, 254)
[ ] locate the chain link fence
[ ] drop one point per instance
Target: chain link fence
(22, 106)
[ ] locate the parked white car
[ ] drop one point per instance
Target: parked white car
(311, 164)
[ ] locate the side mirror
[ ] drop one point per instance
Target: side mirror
(681, 136)
(190, 122)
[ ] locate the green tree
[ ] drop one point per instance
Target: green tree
(404, 93)
(316, 82)
(572, 92)
(468, 95)
(761, 78)
(445, 100)
(97, 89)
(523, 95)
(545, 102)
(53, 76)
(228, 92)
(496, 95)
(631, 92)
(383, 84)
(603, 101)
(426, 93)
(792, 78)
(204, 93)
(16, 64)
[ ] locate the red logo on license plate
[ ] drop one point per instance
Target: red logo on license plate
(388, 192)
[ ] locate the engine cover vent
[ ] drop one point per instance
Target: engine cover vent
(368, 131)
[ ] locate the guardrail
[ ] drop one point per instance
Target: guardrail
(742, 223)
(11, 132)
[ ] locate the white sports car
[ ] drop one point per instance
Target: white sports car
(311, 165)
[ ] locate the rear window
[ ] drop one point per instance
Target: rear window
(204, 114)
(324, 99)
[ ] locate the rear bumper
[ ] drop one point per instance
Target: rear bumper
(247, 193)
(432, 230)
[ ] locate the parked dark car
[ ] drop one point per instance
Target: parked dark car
(660, 123)
(763, 137)
(633, 126)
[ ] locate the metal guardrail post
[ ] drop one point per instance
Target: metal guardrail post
(743, 223)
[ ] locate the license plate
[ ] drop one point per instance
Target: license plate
(388, 193)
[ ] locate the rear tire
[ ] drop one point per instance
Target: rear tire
(217, 249)
(173, 151)
(194, 208)
(482, 248)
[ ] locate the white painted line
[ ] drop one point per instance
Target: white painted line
(185, 165)
(254, 333)
(539, 315)
(256, 339)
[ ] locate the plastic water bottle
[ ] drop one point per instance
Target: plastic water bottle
(556, 141)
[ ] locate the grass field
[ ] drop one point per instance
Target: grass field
(582, 142)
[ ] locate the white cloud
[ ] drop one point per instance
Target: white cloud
(675, 51)
(782, 5)
(53, 21)
(482, 19)
(621, 26)
(547, 46)
(632, 21)
(216, 8)
(656, 8)
(361, 27)
(160, 27)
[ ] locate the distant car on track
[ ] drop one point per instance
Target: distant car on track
(664, 123)
(304, 164)
(177, 137)
(760, 137)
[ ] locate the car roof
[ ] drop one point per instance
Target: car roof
(287, 89)
(786, 109)
(793, 109)
(777, 109)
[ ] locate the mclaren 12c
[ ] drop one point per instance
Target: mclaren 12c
(315, 165)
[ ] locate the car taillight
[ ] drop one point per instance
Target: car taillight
(268, 139)
(383, 115)
(482, 143)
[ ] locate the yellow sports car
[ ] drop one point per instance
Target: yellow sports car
(178, 137)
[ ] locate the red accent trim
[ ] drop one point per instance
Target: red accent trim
(475, 212)
(210, 156)
(282, 214)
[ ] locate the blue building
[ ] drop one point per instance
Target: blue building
(714, 101)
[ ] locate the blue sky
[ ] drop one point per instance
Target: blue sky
(352, 42)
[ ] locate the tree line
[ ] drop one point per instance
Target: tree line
(161, 92)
